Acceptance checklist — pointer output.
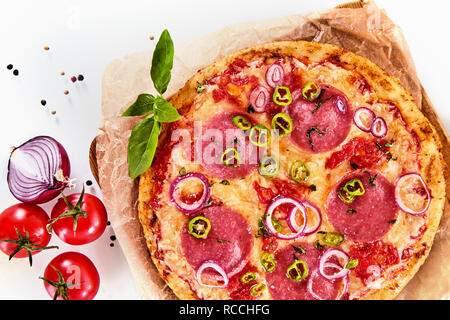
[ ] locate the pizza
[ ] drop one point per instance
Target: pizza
(298, 170)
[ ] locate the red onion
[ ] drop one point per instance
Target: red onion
(379, 128)
(259, 98)
(216, 267)
(399, 186)
(280, 200)
(340, 104)
(38, 170)
(275, 75)
(176, 189)
(324, 263)
(364, 118)
(309, 229)
(315, 274)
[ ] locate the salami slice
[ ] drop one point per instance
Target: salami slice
(369, 217)
(323, 124)
(219, 135)
(283, 288)
(228, 243)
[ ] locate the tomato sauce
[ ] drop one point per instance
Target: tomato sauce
(270, 244)
(363, 152)
(229, 81)
(160, 166)
(374, 258)
(239, 290)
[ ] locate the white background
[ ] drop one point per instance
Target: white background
(84, 36)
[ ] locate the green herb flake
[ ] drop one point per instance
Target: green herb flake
(371, 179)
(299, 249)
(351, 211)
(315, 129)
(393, 221)
(182, 171)
(200, 88)
(312, 187)
(354, 166)
(225, 182)
(318, 245)
(222, 240)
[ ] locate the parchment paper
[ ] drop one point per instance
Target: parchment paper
(366, 31)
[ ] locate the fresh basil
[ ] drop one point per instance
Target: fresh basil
(142, 145)
(165, 111)
(143, 105)
(144, 136)
(162, 62)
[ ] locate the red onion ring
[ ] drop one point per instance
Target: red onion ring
(216, 267)
(340, 104)
(270, 210)
(308, 229)
(358, 121)
(315, 274)
(259, 98)
(379, 128)
(196, 206)
(275, 75)
(323, 263)
(399, 200)
(38, 170)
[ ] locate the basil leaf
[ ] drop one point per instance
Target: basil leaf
(162, 62)
(142, 106)
(164, 111)
(142, 146)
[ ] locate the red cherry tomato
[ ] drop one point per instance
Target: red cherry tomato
(30, 221)
(87, 215)
(78, 278)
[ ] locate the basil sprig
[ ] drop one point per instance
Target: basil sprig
(144, 136)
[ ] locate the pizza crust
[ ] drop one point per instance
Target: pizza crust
(384, 86)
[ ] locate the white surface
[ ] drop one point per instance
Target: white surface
(84, 36)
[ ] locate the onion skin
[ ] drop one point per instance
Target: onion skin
(269, 75)
(399, 202)
(53, 188)
(269, 212)
(254, 98)
(360, 126)
(216, 267)
(383, 124)
(205, 197)
(323, 264)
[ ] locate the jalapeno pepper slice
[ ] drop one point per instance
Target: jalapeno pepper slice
(269, 167)
(259, 135)
(299, 172)
(231, 158)
(353, 263)
(350, 190)
(311, 91)
(242, 122)
(354, 187)
(257, 289)
(282, 124)
(199, 227)
(248, 277)
(282, 96)
(297, 271)
(332, 238)
(268, 261)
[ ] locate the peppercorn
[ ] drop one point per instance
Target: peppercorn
(66, 92)
(73, 79)
(43, 102)
(46, 48)
(9, 66)
(80, 77)
(16, 72)
(113, 238)
(89, 183)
